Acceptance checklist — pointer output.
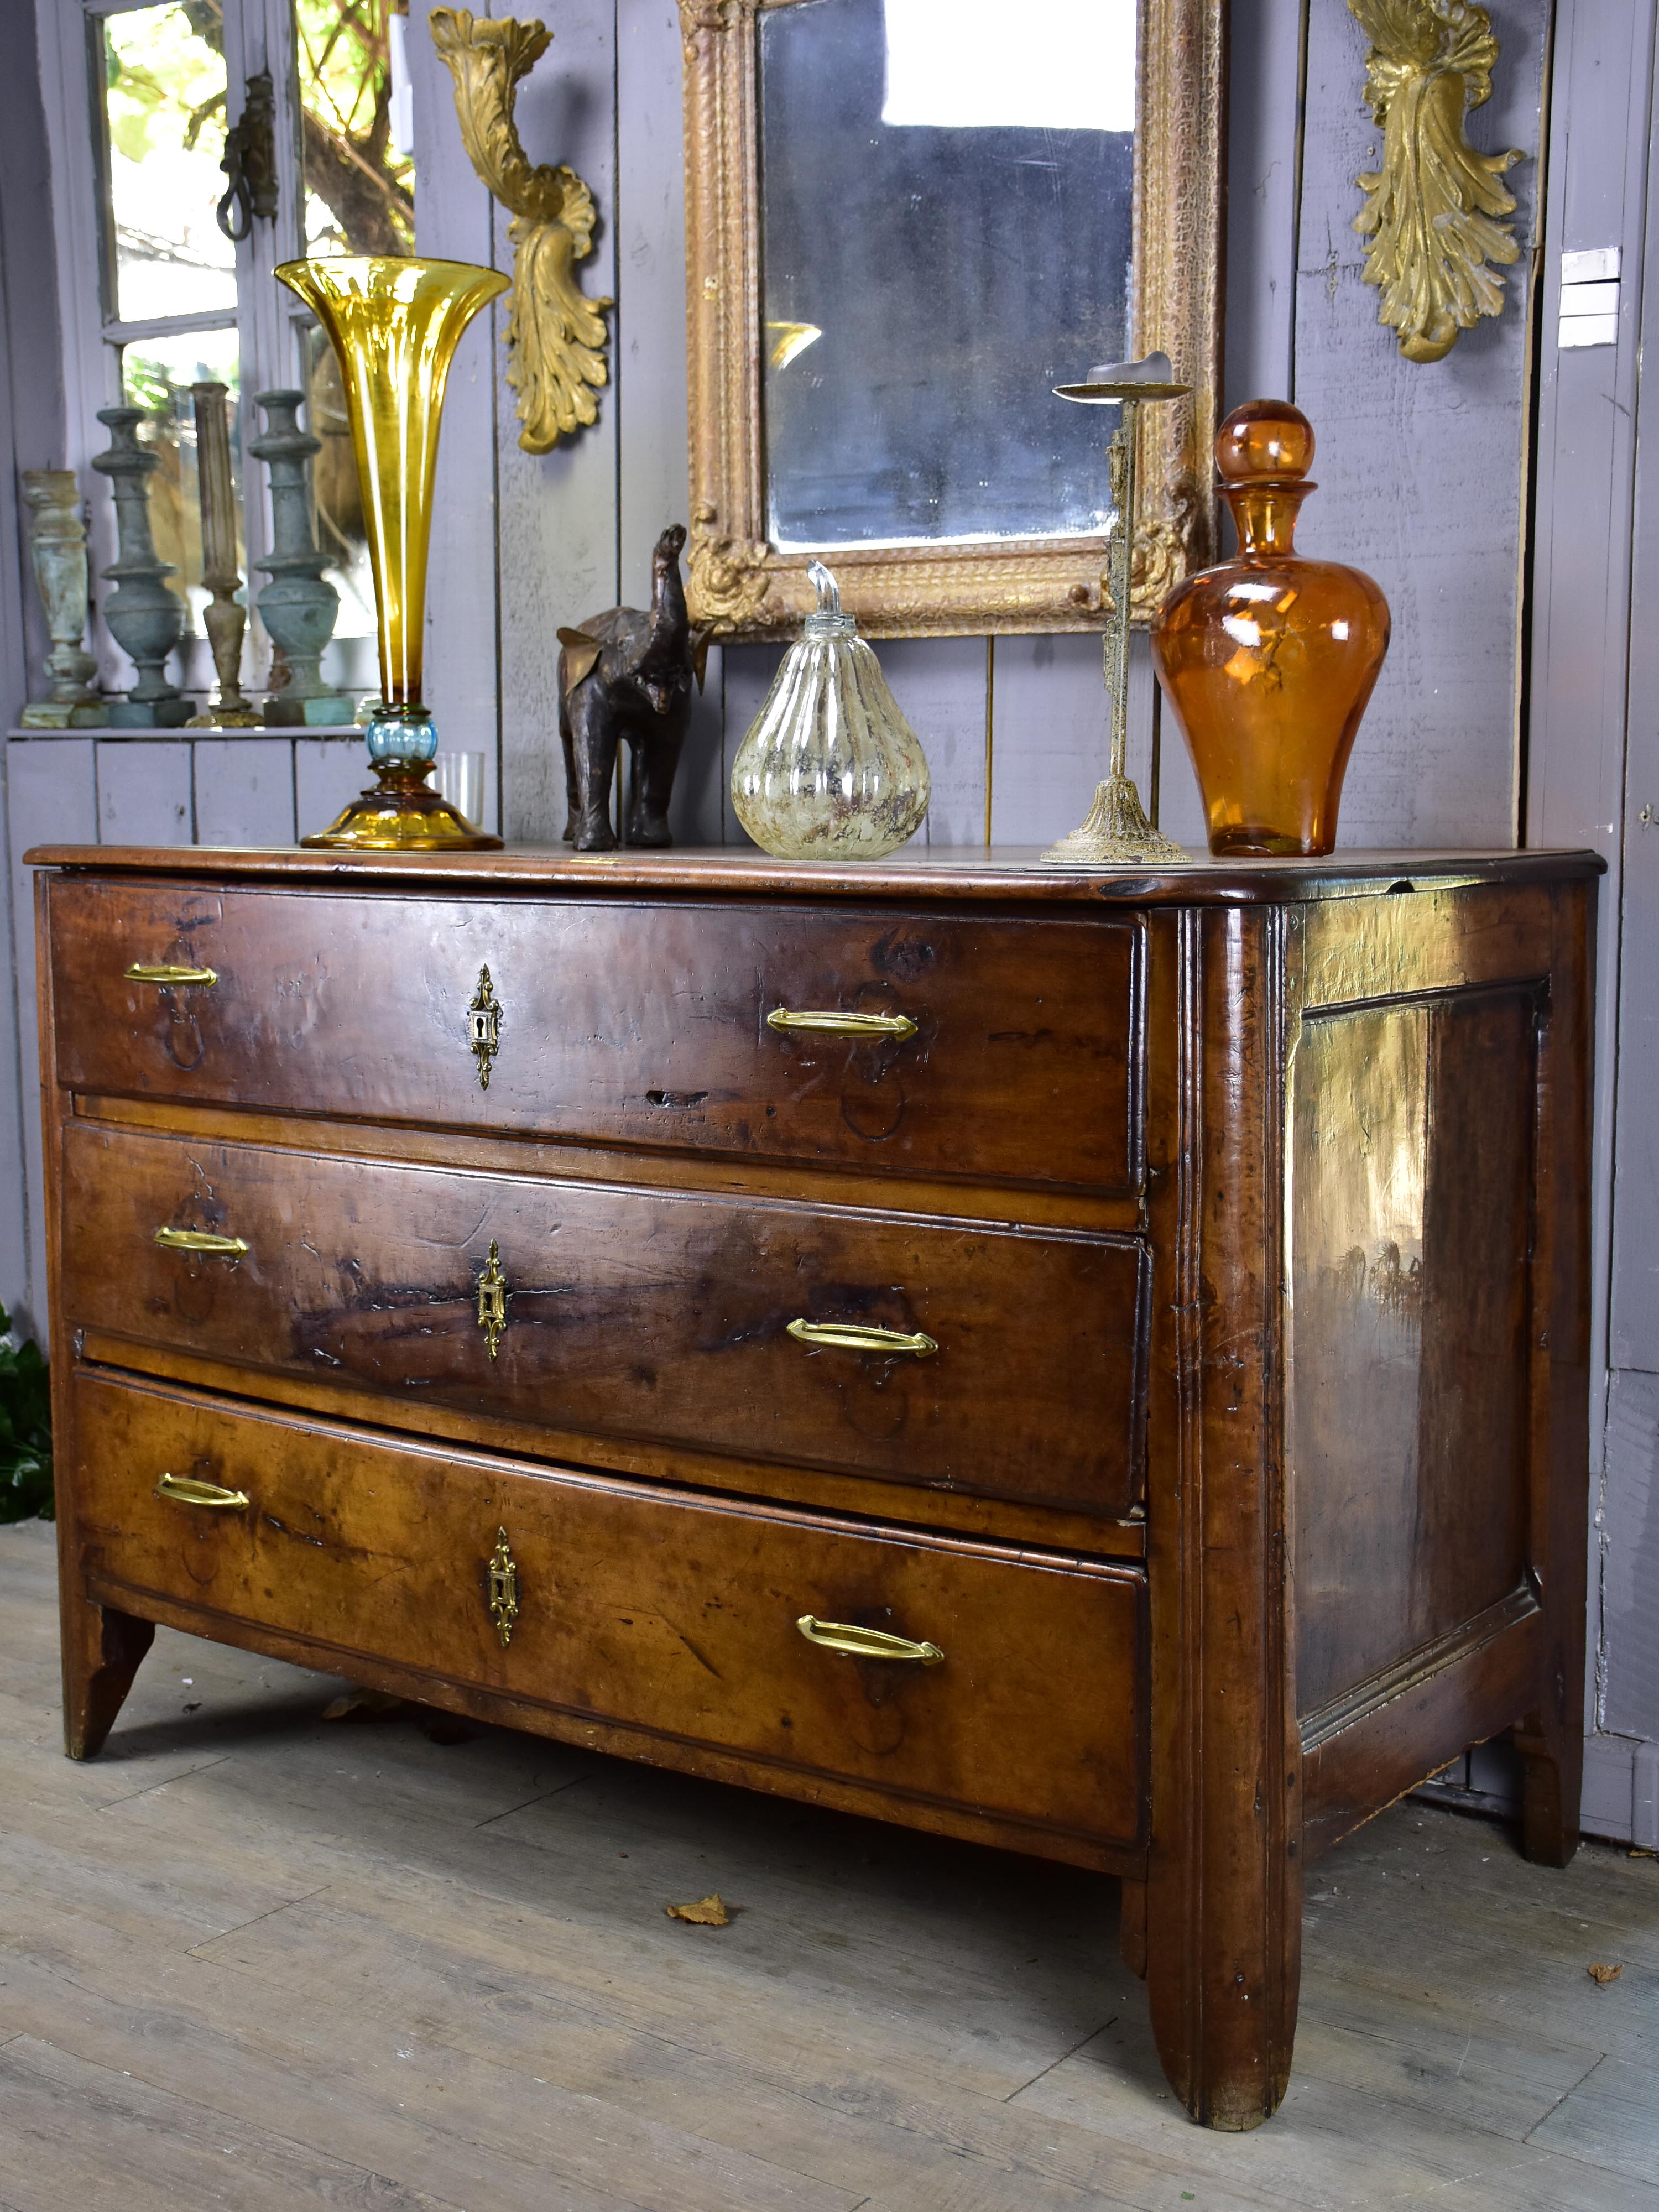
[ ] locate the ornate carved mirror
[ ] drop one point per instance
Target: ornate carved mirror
(907, 221)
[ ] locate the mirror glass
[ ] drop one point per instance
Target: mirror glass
(946, 223)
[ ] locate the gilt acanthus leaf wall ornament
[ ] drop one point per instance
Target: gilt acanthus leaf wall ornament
(1433, 210)
(556, 334)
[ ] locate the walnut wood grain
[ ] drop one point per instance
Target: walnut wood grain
(675, 1615)
(1365, 1487)
(1224, 1874)
(644, 1022)
(998, 875)
(632, 1313)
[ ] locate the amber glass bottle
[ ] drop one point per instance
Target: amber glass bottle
(1268, 660)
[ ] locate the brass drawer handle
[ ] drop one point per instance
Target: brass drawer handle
(186, 1490)
(853, 1336)
(163, 971)
(866, 1643)
(835, 1025)
(199, 1240)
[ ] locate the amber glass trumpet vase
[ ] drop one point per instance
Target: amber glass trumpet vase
(395, 326)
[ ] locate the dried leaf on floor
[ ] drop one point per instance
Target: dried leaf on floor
(707, 1913)
(1603, 1975)
(363, 1705)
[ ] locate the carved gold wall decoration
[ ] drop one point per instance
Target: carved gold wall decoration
(739, 585)
(555, 335)
(1432, 208)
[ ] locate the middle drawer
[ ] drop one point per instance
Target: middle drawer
(921, 1350)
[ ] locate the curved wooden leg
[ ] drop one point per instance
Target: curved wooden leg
(102, 1652)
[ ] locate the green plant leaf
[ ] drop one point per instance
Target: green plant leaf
(25, 1429)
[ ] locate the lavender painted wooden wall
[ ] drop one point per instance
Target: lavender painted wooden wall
(1496, 715)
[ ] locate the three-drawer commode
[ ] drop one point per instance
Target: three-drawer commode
(874, 1335)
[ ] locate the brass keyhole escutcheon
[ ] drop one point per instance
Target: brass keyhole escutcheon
(483, 1026)
(492, 1298)
(502, 1574)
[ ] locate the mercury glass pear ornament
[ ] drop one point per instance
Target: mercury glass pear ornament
(829, 769)
(395, 324)
(1269, 660)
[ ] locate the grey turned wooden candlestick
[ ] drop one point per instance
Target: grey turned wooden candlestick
(57, 552)
(297, 607)
(145, 618)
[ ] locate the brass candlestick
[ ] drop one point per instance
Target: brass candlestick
(225, 619)
(1117, 833)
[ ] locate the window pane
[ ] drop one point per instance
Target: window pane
(158, 373)
(164, 103)
(354, 115)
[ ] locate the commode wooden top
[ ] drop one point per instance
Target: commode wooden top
(968, 872)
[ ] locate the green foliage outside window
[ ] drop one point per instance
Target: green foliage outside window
(164, 69)
(166, 78)
(25, 1430)
(346, 114)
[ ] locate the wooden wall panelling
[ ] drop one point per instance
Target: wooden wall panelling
(1633, 1316)
(453, 220)
(557, 513)
(14, 1213)
(89, 376)
(327, 771)
(1627, 1699)
(748, 677)
(1420, 468)
(244, 791)
(143, 793)
(649, 371)
(1592, 693)
(939, 684)
(31, 436)
(1264, 132)
(1050, 736)
(51, 791)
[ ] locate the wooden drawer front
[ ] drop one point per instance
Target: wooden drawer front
(642, 1313)
(628, 1023)
(671, 1612)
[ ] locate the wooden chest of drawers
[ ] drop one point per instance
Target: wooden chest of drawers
(1093, 1366)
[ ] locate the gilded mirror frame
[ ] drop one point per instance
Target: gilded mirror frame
(738, 584)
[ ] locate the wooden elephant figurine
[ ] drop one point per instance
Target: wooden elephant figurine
(626, 676)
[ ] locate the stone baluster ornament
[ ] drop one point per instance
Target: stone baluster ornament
(144, 617)
(225, 618)
(297, 608)
(57, 546)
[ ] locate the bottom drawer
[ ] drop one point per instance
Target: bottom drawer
(666, 1611)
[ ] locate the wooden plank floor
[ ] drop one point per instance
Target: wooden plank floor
(250, 1958)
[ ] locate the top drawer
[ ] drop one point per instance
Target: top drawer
(622, 1021)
